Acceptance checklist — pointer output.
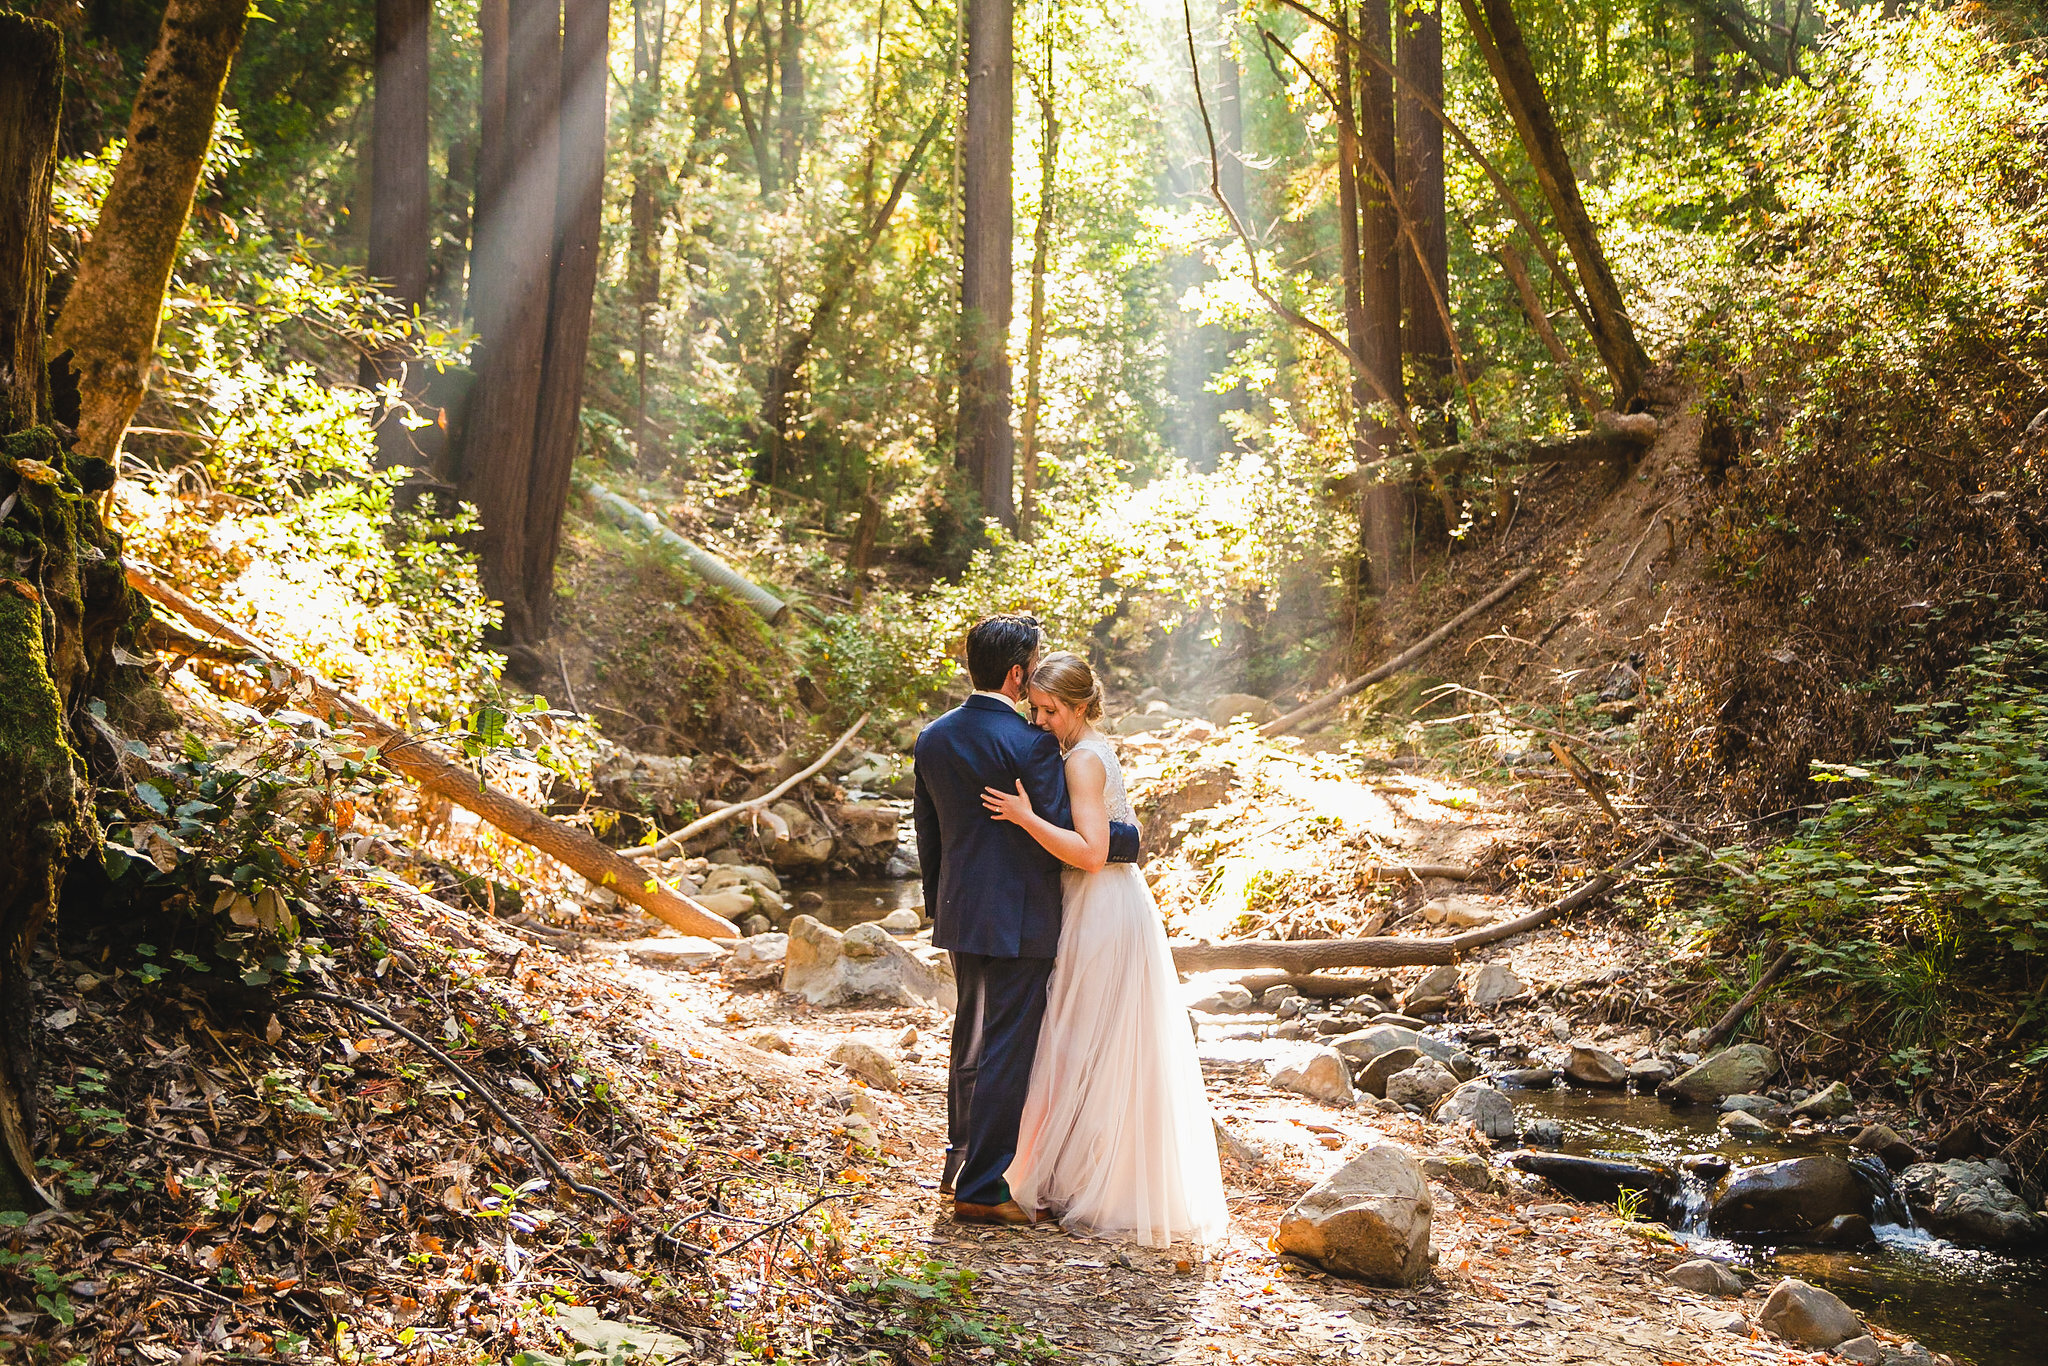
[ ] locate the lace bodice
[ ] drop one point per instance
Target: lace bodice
(1115, 798)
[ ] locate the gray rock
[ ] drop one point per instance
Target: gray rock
(756, 924)
(1389, 1017)
(1460, 912)
(1844, 1230)
(1492, 984)
(1462, 1065)
(902, 920)
(1864, 1350)
(1462, 1169)
(1290, 1006)
(1322, 1075)
(1704, 1277)
(1724, 1321)
(1239, 1150)
(1530, 1078)
(1598, 1180)
(1729, 1072)
(867, 1062)
(1372, 1077)
(1790, 1197)
(1276, 998)
(1421, 1085)
(1225, 1000)
(1368, 1220)
(1809, 1316)
(1830, 1103)
(1743, 1125)
(1479, 1105)
(1367, 1044)
(768, 1040)
(1755, 1105)
(1543, 1133)
(1883, 1141)
(1592, 1066)
(1650, 1073)
(757, 958)
(671, 952)
(828, 968)
(1232, 705)
(739, 874)
(1970, 1203)
(1438, 984)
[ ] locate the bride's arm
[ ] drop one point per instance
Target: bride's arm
(1086, 846)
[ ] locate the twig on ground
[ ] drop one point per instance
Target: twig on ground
(783, 1222)
(482, 1093)
(697, 827)
(1724, 1028)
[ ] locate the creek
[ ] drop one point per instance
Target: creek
(1977, 1306)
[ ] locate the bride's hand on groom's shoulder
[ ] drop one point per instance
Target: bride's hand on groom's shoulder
(1007, 806)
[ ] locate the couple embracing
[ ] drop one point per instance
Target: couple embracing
(1074, 1092)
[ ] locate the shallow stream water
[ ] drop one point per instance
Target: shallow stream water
(1976, 1306)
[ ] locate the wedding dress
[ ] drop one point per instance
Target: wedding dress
(1117, 1137)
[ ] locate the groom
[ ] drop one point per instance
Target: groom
(994, 898)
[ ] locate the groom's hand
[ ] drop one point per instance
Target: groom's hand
(1123, 842)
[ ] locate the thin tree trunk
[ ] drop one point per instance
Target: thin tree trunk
(1230, 109)
(757, 136)
(986, 442)
(1364, 451)
(398, 201)
(512, 272)
(1041, 248)
(45, 810)
(1539, 322)
(790, 45)
(1419, 172)
(110, 318)
(650, 179)
(579, 227)
(1499, 36)
(1379, 241)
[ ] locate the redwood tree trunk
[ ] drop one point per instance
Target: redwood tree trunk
(579, 208)
(650, 178)
(790, 58)
(1419, 171)
(1380, 252)
(986, 445)
(109, 323)
(1350, 260)
(1230, 112)
(1499, 35)
(1041, 249)
(510, 271)
(399, 200)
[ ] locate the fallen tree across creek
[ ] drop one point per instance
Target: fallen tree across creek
(413, 758)
(1308, 956)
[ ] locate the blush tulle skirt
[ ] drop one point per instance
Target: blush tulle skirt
(1117, 1137)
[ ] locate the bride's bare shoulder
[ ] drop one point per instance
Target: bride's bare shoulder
(1085, 765)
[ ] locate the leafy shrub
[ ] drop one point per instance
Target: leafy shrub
(1936, 866)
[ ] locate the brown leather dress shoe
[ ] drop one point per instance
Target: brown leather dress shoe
(1009, 1212)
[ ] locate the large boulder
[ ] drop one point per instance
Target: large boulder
(757, 958)
(1369, 1219)
(1745, 1067)
(807, 844)
(1479, 1105)
(1597, 1180)
(1367, 1044)
(1321, 1075)
(866, 963)
(1795, 1197)
(1970, 1203)
(1432, 991)
(1809, 1316)
(1421, 1085)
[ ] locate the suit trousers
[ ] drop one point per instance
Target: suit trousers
(995, 1040)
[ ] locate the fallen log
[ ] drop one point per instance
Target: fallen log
(415, 759)
(1612, 436)
(679, 838)
(1306, 956)
(1310, 710)
(707, 565)
(1394, 872)
(1322, 986)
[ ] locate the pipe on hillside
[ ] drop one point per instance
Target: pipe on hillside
(633, 517)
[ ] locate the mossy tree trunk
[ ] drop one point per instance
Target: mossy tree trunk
(63, 599)
(109, 323)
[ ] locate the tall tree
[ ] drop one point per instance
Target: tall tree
(1499, 35)
(110, 317)
(1380, 250)
(1230, 109)
(512, 265)
(789, 50)
(1419, 171)
(650, 181)
(1043, 88)
(399, 197)
(579, 229)
(985, 444)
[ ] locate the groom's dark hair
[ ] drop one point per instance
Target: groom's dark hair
(998, 644)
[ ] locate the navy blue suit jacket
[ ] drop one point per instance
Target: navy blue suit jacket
(988, 886)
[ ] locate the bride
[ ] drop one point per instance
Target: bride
(1117, 1137)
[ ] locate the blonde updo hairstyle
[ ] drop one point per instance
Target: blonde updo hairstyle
(1066, 675)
